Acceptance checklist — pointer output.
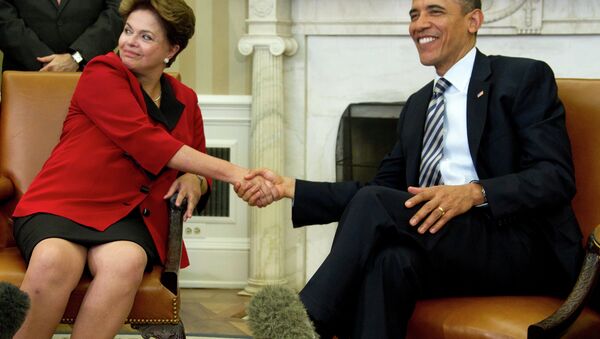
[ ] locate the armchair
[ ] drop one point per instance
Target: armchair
(532, 316)
(33, 107)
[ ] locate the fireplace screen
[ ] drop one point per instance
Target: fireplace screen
(367, 132)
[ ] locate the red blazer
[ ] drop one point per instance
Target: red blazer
(98, 171)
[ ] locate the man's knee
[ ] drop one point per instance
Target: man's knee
(398, 261)
(373, 192)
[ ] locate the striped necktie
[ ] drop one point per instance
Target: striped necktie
(433, 138)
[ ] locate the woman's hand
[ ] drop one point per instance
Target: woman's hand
(188, 186)
(275, 187)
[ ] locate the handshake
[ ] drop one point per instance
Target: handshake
(260, 187)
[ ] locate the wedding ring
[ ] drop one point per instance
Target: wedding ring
(441, 210)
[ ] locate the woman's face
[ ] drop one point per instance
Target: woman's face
(143, 44)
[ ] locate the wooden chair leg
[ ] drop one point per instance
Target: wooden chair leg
(167, 331)
(557, 323)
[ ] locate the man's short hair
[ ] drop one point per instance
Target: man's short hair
(469, 5)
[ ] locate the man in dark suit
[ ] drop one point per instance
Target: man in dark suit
(490, 214)
(57, 35)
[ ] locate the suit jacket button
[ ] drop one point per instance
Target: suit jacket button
(145, 189)
(146, 212)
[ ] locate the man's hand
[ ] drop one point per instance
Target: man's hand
(442, 203)
(58, 63)
(278, 187)
(188, 186)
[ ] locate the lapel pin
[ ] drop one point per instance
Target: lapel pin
(480, 94)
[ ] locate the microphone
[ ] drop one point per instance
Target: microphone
(276, 312)
(14, 305)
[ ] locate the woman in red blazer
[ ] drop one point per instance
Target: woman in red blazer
(132, 137)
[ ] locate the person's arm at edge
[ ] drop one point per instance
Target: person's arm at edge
(17, 40)
(101, 37)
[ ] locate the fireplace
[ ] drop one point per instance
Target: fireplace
(366, 133)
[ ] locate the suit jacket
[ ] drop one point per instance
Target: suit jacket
(112, 156)
(35, 28)
(518, 143)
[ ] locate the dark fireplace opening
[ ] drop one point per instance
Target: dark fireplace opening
(367, 132)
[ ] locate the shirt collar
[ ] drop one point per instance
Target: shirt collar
(460, 73)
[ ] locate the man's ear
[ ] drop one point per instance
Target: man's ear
(475, 20)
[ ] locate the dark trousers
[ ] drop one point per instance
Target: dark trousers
(379, 265)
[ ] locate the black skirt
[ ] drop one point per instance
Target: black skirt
(30, 230)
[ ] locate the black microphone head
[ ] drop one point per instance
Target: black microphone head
(276, 312)
(14, 305)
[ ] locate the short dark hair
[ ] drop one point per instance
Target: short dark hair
(176, 17)
(469, 5)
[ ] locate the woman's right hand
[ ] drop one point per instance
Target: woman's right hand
(262, 186)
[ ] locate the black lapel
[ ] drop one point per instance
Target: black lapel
(414, 124)
(170, 108)
(477, 103)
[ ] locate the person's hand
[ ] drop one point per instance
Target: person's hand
(58, 63)
(187, 186)
(441, 203)
(273, 190)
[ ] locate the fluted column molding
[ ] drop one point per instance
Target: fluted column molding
(268, 41)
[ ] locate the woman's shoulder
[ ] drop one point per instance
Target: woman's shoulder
(106, 68)
(109, 59)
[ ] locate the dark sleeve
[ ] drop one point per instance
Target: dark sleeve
(17, 40)
(545, 176)
(102, 36)
(321, 202)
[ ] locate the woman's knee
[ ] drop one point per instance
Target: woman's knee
(56, 262)
(125, 260)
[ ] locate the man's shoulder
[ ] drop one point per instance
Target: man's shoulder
(514, 64)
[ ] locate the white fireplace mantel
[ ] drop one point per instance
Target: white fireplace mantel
(502, 17)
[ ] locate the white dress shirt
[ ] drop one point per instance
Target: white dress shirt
(456, 165)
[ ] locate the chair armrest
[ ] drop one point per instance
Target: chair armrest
(567, 313)
(7, 188)
(174, 246)
(7, 192)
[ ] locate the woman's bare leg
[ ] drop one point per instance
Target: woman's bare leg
(54, 270)
(117, 268)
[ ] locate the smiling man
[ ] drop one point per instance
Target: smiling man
(474, 198)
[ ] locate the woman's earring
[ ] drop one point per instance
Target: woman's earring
(166, 60)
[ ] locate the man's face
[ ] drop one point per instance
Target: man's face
(441, 31)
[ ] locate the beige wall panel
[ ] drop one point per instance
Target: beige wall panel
(211, 64)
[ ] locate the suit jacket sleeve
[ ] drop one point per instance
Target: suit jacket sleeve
(105, 93)
(545, 177)
(18, 40)
(321, 202)
(102, 36)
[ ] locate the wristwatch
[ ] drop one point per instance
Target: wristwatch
(203, 184)
(77, 57)
(482, 191)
